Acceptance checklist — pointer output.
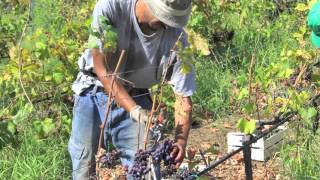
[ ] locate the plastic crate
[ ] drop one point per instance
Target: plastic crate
(264, 148)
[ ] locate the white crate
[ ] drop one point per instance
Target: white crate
(264, 148)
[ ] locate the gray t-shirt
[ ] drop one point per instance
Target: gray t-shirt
(147, 56)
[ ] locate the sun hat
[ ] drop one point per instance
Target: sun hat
(314, 24)
(174, 13)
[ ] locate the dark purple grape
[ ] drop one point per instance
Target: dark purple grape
(110, 159)
(162, 154)
(140, 164)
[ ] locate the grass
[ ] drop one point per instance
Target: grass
(214, 86)
(300, 156)
(36, 159)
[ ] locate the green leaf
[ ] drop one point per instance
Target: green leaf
(245, 126)
(48, 125)
(242, 79)
(37, 126)
(185, 68)
(48, 78)
(308, 114)
(40, 45)
(58, 77)
(243, 93)
(11, 127)
(94, 32)
(302, 7)
(43, 128)
(103, 21)
(22, 114)
(93, 42)
(285, 73)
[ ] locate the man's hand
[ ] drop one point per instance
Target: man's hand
(178, 152)
(138, 114)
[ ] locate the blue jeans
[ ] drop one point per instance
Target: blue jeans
(88, 113)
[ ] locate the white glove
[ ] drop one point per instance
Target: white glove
(139, 114)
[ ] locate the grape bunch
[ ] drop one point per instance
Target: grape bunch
(140, 164)
(110, 159)
(159, 155)
(162, 154)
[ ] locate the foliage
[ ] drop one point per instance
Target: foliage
(55, 36)
(270, 85)
(108, 37)
(186, 55)
(282, 85)
(247, 127)
(49, 50)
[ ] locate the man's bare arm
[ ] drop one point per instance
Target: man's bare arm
(119, 92)
(183, 109)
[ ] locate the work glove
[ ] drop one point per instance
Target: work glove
(139, 114)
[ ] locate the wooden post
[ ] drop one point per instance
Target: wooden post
(247, 158)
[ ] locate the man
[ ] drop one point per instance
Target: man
(147, 30)
(314, 24)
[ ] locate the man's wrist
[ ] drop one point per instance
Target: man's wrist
(181, 140)
(135, 108)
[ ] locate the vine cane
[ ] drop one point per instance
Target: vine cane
(149, 122)
(110, 98)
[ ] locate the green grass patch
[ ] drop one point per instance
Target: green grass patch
(36, 159)
(300, 156)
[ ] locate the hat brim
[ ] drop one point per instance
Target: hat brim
(315, 40)
(170, 20)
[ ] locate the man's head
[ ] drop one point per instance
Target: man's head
(314, 24)
(162, 13)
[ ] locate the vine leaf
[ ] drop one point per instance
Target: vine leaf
(93, 42)
(186, 55)
(246, 126)
(186, 68)
(11, 127)
(43, 128)
(244, 92)
(108, 36)
(58, 77)
(302, 7)
(307, 114)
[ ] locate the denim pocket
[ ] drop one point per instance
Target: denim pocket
(76, 151)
